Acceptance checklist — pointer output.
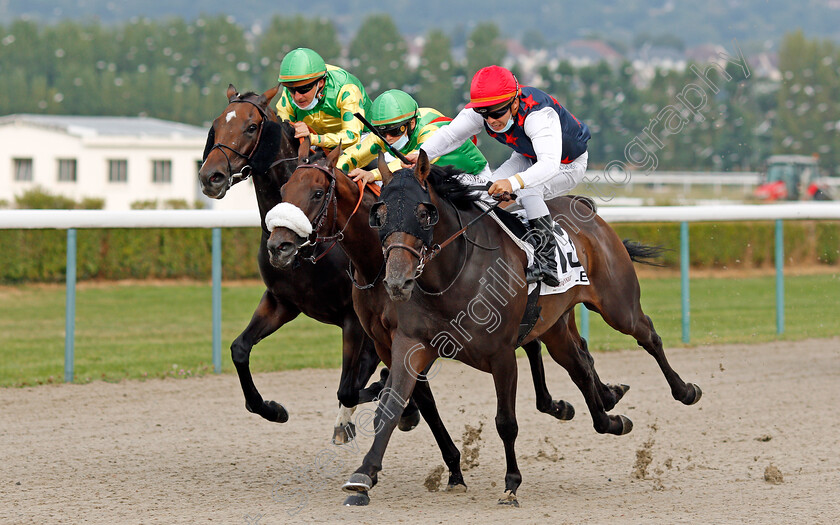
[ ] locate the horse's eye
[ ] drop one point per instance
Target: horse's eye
(318, 194)
(252, 128)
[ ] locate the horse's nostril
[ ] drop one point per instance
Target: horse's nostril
(217, 178)
(286, 248)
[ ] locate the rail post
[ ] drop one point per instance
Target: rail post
(684, 287)
(217, 300)
(70, 307)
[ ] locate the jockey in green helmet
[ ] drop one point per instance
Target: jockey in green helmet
(396, 115)
(320, 99)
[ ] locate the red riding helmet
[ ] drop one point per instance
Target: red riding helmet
(492, 85)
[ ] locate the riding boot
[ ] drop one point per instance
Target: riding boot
(545, 245)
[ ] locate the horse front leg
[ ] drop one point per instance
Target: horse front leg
(270, 315)
(504, 378)
(358, 363)
(407, 362)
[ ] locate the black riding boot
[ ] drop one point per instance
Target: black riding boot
(542, 238)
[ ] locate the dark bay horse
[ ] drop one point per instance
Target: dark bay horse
(418, 211)
(319, 194)
(246, 139)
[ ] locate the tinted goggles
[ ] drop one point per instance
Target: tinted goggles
(494, 114)
(393, 130)
(306, 88)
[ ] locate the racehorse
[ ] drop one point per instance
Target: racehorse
(319, 194)
(247, 140)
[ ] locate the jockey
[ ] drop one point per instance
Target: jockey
(396, 115)
(320, 99)
(549, 151)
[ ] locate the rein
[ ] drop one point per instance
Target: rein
(330, 197)
(425, 255)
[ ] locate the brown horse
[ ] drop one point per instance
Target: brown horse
(246, 140)
(319, 194)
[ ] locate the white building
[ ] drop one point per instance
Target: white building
(122, 160)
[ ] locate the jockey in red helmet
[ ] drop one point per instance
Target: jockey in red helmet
(549, 151)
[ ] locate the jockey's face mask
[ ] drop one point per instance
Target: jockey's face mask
(404, 206)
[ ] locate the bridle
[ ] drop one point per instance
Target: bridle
(246, 170)
(330, 197)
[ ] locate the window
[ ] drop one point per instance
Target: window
(117, 170)
(23, 170)
(162, 171)
(67, 170)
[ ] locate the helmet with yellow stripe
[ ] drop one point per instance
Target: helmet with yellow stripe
(301, 64)
(392, 111)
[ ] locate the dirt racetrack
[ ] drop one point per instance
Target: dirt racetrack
(762, 446)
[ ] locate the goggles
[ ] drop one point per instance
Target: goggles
(486, 113)
(306, 88)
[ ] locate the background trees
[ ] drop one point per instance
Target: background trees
(179, 70)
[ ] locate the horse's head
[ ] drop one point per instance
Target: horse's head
(405, 217)
(233, 149)
(302, 215)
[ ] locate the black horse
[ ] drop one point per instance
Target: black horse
(247, 140)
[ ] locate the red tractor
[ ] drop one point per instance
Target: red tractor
(793, 178)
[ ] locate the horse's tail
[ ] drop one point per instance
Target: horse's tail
(643, 253)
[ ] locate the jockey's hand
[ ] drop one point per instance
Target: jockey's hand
(363, 175)
(500, 186)
(412, 157)
(501, 190)
(301, 130)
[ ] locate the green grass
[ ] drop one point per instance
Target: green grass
(139, 330)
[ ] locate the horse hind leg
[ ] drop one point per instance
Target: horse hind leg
(560, 409)
(610, 394)
(565, 348)
(647, 338)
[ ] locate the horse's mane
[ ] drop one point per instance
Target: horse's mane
(445, 181)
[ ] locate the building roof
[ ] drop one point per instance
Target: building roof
(86, 126)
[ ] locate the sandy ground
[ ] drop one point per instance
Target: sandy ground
(762, 446)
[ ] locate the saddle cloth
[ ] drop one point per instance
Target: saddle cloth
(570, 271)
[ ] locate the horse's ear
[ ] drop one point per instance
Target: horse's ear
(423, 167)
(231, 92)
(303, 150)
(266, 97)
(384, 171)
(332, 158)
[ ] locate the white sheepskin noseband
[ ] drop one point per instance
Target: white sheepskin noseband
(287, 215)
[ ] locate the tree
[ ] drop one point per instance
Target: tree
(435, 73)
(378, 54)
(286, 33)
(485, 47)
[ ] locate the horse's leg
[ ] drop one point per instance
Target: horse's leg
(562, 410)
(564, 346)
(451, 456)
(411, 414)
(632, 321)
(504, 378)
(610, 394)
(359, 361)
(393, 399)
(270, 315)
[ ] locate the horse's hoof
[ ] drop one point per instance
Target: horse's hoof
(343, 434)
(626, 425)
(509, 499)
(279, 413)
(693, 395)
(456, 488)
(562, 410)
(357, 499)
(358, 482)
(619, 391)
(409, 421)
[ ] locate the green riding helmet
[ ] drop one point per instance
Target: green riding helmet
(391, 110)
(301, 64)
